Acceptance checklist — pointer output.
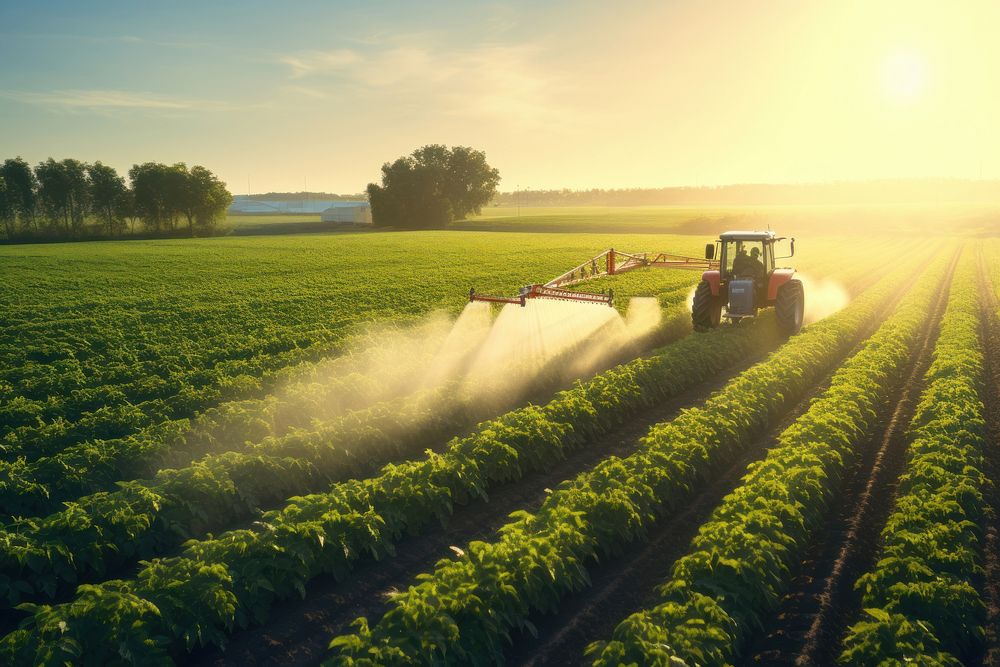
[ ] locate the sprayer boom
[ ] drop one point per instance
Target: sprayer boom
(608, 263)
(543, 292)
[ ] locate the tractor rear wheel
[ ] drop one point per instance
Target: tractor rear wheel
(706, 311)
(789, 307)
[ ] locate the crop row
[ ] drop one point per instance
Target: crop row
(319, 391)
(921, 600)
(334, 383)
(40, 557)
(464, 611)
(103, 360)
(101, 343)
(720, 593)
(232, 580)
(43, 477)
(32, 487)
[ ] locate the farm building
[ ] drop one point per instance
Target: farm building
(243, 205)
(357, 212)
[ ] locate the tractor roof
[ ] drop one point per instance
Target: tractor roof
(748, 236)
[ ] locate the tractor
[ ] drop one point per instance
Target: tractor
(742, 280)
(746, 280)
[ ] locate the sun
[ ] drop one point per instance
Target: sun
(904, 75)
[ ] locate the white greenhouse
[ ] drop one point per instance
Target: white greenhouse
(357, 212)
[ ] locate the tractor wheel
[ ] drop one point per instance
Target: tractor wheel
(789, 307)
(706, 311)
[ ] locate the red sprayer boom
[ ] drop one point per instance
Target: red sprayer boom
(609, 263)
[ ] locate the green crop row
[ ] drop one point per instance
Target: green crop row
(102, 341)
(720, 593)
(921, 600)
(464, 611)
(41, 557)
(311, 392)
(93, 535)
(333, 382)
(232, 580)
(102, 344)
(32, 486)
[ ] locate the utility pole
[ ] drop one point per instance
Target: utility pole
(517, 198)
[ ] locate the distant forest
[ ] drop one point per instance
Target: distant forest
(922, 191)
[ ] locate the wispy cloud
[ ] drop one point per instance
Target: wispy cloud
(309, 63)
(501, 81)
(97, 100)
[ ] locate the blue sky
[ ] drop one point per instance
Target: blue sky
(580, 94)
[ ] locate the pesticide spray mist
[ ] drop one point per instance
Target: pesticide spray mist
(483, 361)
(485, 358)
(823, 297)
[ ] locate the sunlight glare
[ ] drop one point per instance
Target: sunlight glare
(903, 75)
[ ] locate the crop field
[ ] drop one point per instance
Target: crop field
(305, 449)
(881, 220)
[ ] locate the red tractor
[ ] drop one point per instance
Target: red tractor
(743, 279)
(747, 280)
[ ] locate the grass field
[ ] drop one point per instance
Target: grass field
(205, 431)
(944, 219)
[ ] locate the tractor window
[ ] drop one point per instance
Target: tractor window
(747, 259)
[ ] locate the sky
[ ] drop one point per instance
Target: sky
(285, 96)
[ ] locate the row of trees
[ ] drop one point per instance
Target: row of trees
(70, 199)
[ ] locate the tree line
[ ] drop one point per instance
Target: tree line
(71, 200)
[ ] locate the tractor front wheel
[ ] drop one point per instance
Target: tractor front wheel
(706, 311)
(789, 307)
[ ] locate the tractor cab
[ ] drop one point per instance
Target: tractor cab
(747, 280)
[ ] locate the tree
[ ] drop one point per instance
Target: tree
(178, 197)
(432, 187)
(22, 187)
(106, 191)
(148, 194)
(7, 214)
(210, 195)
(125, 209)
(162, 193)
(64, 193)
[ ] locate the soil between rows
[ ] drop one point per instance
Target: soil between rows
(300, 630)
(807, 627)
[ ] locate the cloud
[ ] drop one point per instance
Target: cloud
(96, 100)
(503, 82)
(310, 63)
